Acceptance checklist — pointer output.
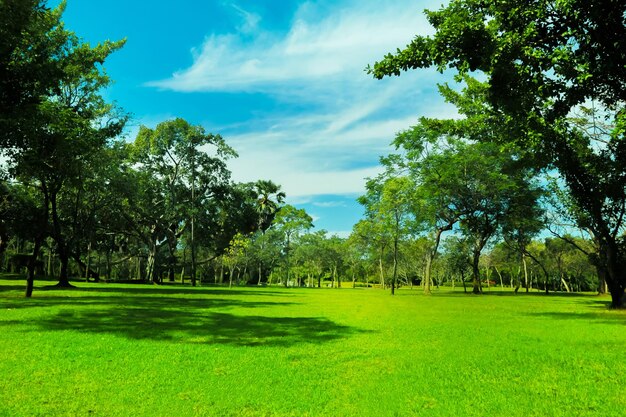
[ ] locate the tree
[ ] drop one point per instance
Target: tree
(373, 235)
(458, 256)
(291, 222)
(314, 253)
(544, 59)
(434, 184)
(67, 125)
(387, 203)
(269, 199)
(34, 55)
(185, 168)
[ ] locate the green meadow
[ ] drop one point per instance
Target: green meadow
(138, 350)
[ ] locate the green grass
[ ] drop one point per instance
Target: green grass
(130, 350)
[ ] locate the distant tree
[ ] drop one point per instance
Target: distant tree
(372, 235)
(457, 255)
(290, 223)
(387, 203)
(185, 168)
(269, 199)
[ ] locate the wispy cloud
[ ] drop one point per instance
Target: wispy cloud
(327, 204)
(250, 21)
(331, 120)
(335, 45)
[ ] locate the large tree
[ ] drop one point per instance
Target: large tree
(543, 59)
(65, 122)
(184, 169)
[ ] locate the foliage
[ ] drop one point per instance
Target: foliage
(543, 60)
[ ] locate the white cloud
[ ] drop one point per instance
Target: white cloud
(250, 20)
(340, 44)
(329, 204)
(332, 120)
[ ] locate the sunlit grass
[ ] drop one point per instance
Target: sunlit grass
(133, 350)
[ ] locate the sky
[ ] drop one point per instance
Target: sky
(283, 82)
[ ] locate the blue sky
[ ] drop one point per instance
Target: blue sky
(282, 81)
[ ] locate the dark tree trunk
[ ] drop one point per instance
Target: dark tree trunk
(30, 277)
(62, 248)
(614, 273)
(601, 280)
(64, 280)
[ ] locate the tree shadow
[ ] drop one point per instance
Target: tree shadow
(608, 317)
(501, 293)
(170, 289)
(144, 302)
(180, 320)
(7, 288)
(604, 318)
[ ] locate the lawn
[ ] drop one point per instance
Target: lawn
(132, 350)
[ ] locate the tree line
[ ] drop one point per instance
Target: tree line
(539, 146)
(74, 188)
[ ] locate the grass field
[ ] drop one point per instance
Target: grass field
(130, 350)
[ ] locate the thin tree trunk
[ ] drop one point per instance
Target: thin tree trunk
(476, 273)
(565, 283)
(382, 274)
(500, 276)
(427, 272)
(88, 260)
(151, 273)
(525, 272)
(30, 277)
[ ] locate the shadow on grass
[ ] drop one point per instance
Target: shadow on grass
(134, 301)
(149, 289)
(507, 293)
(179, 320)
(609, 317)
(6, 288)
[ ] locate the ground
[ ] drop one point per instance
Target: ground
(134, 350)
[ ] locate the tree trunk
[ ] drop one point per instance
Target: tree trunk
(30, 277)
(525, 272)
(49, 266)
(500, 276)
(151, 264)
(108, 259)
(564, 283)
(88, 266)
(427, 271)
(382, 274)
(64, 281)
(61, 244)
(602, 286)
(476, 272)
